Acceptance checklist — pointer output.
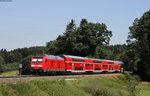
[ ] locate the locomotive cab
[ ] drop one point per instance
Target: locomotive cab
(47, 64)
(37, 64)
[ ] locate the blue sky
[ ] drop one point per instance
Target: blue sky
(26, 23)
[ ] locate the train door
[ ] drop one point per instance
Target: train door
(110, 67)
(53, 64)
(47, 64)
(115, 67)
(68, 66)
(87, 66)
(61, 65)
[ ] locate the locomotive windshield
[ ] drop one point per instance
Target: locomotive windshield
(37, 59)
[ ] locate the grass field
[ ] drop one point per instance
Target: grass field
(10, 73)
(145, 89)
(81, 86)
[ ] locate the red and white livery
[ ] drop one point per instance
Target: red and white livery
(50, 64)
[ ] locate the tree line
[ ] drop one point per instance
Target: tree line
(92, 40)
(10, 60)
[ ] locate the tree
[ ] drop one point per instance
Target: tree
(90, 35)
(4, 54)
(13, 56)
(64, 43)
(68, 39)
(26, 65)
(36, 50)
(82, 40)
(139, 39)
(2, 62)
(52, 47)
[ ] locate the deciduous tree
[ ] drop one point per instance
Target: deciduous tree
(139, 37)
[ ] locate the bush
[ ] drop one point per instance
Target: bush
(132, 84)
(10, 67)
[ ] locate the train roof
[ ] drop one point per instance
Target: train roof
(94, 59)
(120, 62)
(53, 57)
(78, 57)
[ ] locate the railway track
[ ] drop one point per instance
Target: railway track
(14, 79)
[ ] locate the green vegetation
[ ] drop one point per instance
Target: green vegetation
(82, 40)
(145, 89)
(10, 60)
(80, 86)
(10, 73)
(10, 67)
(139, 46)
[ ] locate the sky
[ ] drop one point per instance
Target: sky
(27, 23)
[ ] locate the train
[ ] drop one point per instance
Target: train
(68, 64)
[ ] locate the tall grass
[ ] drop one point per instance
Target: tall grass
(102, 86)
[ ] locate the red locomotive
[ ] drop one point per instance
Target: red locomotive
(50, 64)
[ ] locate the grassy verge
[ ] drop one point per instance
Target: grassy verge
(12, 73)
(145, 89)
(81, 86)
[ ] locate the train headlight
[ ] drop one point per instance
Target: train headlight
(32, 65)
(39, 65)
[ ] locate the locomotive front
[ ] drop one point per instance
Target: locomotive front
(37, 64)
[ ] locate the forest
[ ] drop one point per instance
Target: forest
(91, 40)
